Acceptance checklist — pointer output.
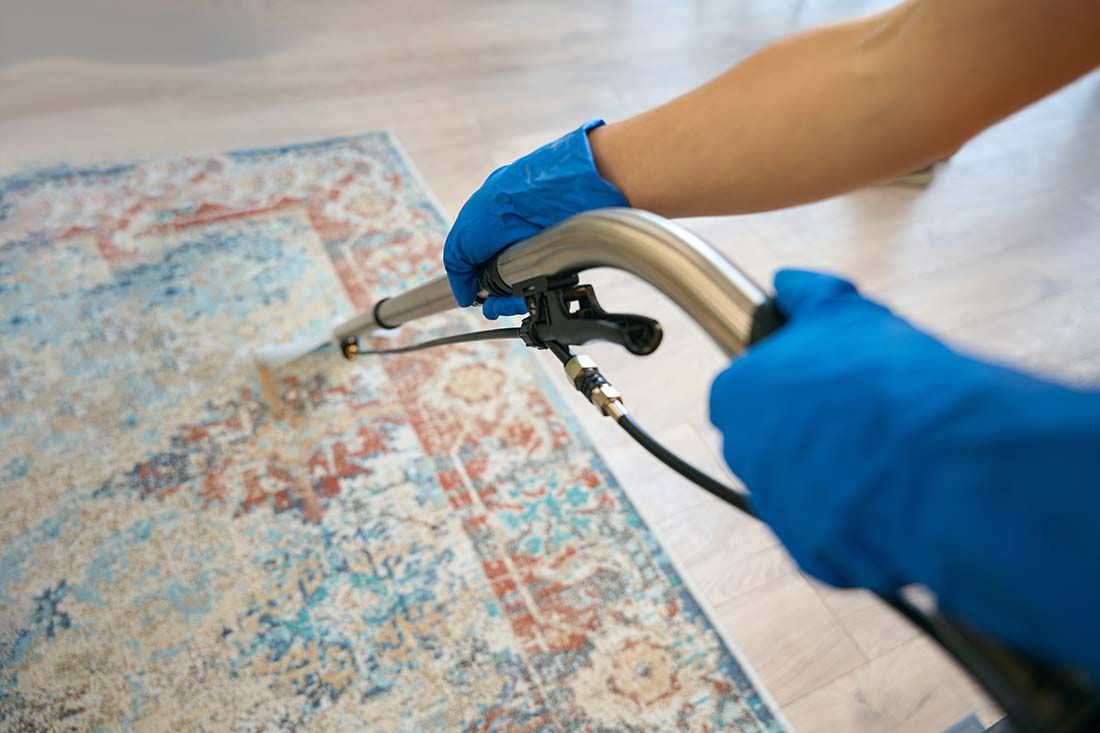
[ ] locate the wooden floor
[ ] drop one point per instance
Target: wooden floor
(1000, 255)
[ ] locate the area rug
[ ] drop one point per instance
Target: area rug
(419, 543)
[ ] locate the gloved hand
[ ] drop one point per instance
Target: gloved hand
(519, 200)
(881, 457)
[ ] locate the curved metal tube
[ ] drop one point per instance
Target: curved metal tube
(708, 287)
(721, 298)
(422, 301)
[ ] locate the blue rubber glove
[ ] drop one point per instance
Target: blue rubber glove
(881, 457)
(519, 200)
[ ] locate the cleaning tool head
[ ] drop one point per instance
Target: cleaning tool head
(269, 358)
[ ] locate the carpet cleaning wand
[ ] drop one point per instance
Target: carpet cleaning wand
(733, 310)
(736, 313)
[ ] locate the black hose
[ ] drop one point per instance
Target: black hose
(1036, 697)
(727, 494)
(999, 670)
(487, 335)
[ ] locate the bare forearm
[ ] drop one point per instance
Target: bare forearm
(840, 107)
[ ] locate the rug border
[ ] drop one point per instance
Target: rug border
(14, 181)
(565, 397)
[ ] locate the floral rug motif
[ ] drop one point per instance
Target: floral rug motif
(418, 543)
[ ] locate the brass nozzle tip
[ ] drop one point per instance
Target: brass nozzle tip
(349, 347)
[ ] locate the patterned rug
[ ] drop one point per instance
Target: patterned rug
(419, 543)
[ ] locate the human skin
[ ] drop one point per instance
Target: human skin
(843, 106)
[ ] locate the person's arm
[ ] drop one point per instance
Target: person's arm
(809, 117)
(840, 107)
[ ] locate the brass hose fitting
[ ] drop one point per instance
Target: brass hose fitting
(586, 377)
